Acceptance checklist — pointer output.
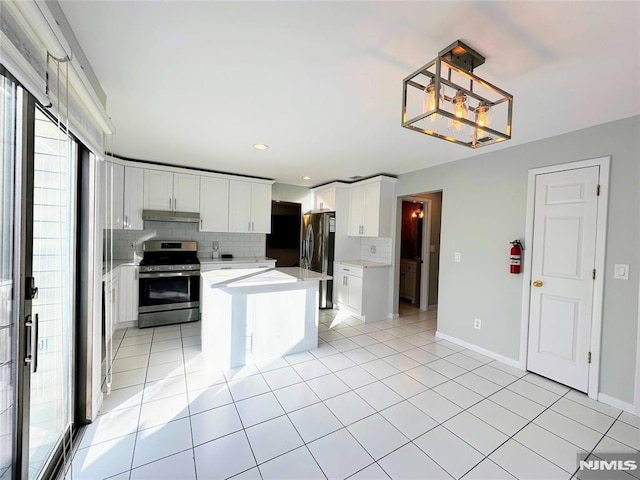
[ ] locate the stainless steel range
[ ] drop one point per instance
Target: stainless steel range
(169, 283)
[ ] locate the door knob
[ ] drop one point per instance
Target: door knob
(537, 283)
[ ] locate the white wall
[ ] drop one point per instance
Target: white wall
(483, 208)
(293, 193)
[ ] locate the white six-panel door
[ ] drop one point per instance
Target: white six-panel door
(563, 262)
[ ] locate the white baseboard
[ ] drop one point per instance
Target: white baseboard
(496, 356)
(131, 324)
(432, 307)
(614, 402)
(393, 316)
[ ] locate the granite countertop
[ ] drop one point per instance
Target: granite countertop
(247, 277)
(362, 263)
(237, 260)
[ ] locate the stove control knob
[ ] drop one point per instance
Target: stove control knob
(156, 268)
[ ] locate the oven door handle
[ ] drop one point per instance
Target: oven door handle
(191, 273)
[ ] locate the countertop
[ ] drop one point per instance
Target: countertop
(237, 260)
(106, 266)
(362, 263)
(246, 277)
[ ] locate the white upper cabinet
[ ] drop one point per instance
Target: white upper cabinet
(186, 192)
(158, 190)
(112, 194)
(176, 192)
(356, 211)
(214, 204)
(133, 198)
(371, 204)
(260, 208)
(249, 207)
(324, 199)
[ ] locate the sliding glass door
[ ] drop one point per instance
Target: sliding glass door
(52, 308)
(38, 189)
(8, 317)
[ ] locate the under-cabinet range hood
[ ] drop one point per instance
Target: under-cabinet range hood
(167, 216)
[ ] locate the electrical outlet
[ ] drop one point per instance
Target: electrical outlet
(477, 324)
(457, 257)
(215, 245)
(372, 249)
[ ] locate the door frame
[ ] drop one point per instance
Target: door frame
(424, 247)
(598, 287)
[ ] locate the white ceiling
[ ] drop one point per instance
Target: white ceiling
(198, 83)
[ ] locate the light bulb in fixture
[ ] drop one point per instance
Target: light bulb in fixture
(260, 146)
(432, 100)
(306, 178)
(460, 110)
(483, 117)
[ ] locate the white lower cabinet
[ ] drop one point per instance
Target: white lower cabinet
(409, 271)
(111, 304)
(361, 291)
(128, 302)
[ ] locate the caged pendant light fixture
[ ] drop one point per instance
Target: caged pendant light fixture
(446, 100)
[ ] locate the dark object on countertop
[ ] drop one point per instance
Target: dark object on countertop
(226, 256)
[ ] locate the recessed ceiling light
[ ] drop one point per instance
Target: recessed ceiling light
(306, 178)
(260, 146)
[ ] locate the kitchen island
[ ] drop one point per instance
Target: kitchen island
(252, 315)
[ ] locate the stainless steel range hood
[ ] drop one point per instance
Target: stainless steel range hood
(167, 216)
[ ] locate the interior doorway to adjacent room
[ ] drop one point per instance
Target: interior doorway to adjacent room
(419, 252)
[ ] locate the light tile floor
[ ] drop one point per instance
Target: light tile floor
(373, 401)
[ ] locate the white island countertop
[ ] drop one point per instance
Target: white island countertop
(252, 277)
(362, 263)
(237, 260)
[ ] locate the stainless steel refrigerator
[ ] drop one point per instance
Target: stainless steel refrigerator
(318, 244)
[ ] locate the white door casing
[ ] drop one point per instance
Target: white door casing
(563, 258)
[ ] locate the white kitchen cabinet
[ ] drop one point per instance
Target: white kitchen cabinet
(249, 207)
(158, 190)
(361, 290)
(123, 200)
(371, 204)
(324, 199)
(128, 302)
(224, 265)
(112, 194)
(133, 198)
(409, 271)
(176, 192)
(186, 192)
(111, 302)
(214, 204)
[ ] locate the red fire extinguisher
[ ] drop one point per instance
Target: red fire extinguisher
(516, 256)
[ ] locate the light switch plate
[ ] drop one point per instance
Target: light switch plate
(457, 257)
(621, 271)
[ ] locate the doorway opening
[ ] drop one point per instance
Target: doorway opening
(419, 252)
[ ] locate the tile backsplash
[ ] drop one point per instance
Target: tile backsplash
(237, 244)
(383, 249)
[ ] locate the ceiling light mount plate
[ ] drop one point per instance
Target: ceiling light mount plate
(462, 56)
